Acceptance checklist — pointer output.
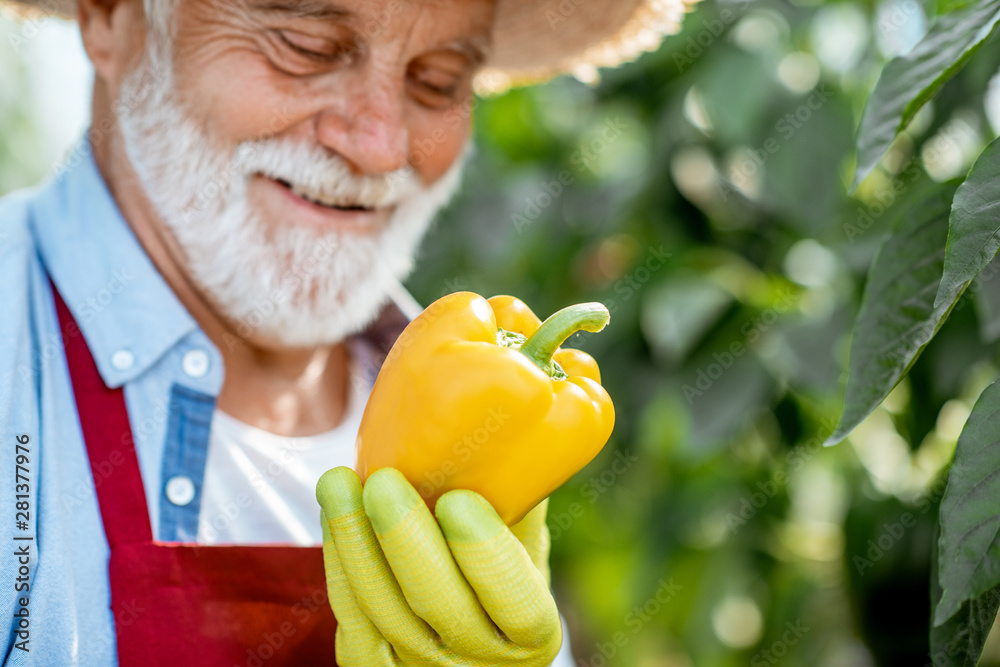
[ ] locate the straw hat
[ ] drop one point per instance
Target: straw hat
(534, 40)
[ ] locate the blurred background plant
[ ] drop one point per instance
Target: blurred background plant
(701, 194)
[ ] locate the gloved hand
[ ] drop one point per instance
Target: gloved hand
(406, 590)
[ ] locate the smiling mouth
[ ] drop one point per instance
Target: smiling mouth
(318, 199)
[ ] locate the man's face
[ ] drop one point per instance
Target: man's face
(296, 150)
(376, 83)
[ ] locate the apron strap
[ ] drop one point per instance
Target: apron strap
(108, 438)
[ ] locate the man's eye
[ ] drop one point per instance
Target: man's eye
(317, 49)
(436, 88)
(440, 88)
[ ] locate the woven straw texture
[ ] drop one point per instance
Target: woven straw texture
(533, 40)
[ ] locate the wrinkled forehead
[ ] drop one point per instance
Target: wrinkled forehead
(409, 26)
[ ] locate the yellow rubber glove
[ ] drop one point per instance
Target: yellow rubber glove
(409, 590)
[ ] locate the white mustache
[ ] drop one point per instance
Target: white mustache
(312, 172)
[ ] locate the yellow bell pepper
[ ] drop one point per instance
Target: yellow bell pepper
(477, 395)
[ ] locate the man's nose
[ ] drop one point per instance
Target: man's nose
(369, 128)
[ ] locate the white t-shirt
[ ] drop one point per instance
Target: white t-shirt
(260, 488)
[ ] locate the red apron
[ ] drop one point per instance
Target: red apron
(184, 604)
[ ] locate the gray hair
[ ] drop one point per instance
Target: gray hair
(159, 18)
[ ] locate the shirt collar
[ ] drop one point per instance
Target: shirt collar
(127, 313)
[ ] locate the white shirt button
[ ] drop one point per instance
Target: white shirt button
(122, 360)
(195, 363)
(180, 490)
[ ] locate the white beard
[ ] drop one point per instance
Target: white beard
(282, 284)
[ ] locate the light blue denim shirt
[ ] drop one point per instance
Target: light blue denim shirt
(143, 339)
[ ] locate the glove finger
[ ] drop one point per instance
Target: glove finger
(508, 585)
(428, 575)
(358, 641)
(375, 588)
(533, 534)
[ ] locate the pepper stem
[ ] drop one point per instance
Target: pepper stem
(559, 326)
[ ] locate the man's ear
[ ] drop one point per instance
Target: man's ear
(111, 32)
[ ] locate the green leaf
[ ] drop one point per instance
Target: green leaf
(975, 222)
(897, 317)
(970, 514)
(986, 288)
(907, 82)
(959, 641)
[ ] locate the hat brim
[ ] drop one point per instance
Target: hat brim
(533, 40)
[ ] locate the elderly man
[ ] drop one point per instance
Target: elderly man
(195, 306)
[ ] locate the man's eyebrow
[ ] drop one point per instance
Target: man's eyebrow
(477, 49)
(308, 9)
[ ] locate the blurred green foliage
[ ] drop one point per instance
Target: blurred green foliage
(700, 193)
(20, 165)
